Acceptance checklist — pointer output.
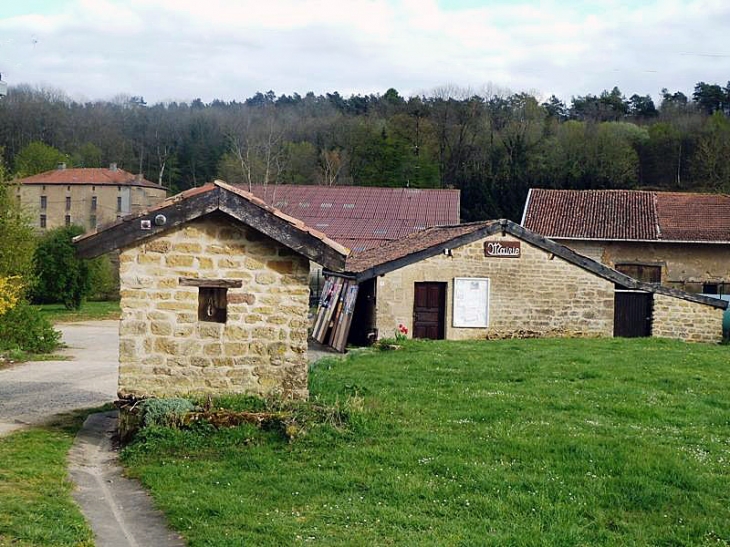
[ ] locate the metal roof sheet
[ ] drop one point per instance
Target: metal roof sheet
(360, 216)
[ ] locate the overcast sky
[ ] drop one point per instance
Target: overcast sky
(229, 49)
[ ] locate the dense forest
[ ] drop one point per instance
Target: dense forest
(493, 146)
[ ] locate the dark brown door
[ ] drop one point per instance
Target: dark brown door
(429, 310)
(632, 314)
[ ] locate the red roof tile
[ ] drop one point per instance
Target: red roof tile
(415, 242)
(628, 215)
(693, 217)
(364, 216)
(89, 175)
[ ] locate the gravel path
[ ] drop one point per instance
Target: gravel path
(31, 392)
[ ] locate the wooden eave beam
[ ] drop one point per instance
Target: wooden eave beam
(130, 231)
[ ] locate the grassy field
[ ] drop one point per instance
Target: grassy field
(36, 507)
(89, 311)
(530, 442)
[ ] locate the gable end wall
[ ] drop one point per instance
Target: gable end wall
(534, 293)
(261, 349)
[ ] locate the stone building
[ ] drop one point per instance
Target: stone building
(497, 279)
(88, 197)
(214, 294)
(680, 240)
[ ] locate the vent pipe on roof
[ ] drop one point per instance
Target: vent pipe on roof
(61, 166)
(112, 167)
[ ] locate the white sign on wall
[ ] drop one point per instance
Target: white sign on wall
(471, 302)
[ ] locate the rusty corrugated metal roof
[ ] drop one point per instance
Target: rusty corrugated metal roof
(631, 215)
(362, 217)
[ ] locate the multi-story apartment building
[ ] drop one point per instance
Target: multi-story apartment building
(88, 197)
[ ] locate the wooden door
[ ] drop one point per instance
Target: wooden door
(429, 310)
(632, 314)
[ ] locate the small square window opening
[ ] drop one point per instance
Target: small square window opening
(213, 304)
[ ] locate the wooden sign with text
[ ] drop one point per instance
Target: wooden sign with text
(502, 249)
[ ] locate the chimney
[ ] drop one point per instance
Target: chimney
(112, 167)
(61, 166)
(138, 177)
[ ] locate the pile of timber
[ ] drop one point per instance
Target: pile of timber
(334, 315)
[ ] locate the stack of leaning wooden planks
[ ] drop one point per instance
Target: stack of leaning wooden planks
(334, 314)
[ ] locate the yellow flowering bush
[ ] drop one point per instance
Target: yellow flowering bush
(11, 290)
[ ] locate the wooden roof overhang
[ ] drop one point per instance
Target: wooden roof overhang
(219, 196)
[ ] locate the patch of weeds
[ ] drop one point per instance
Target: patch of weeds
(165, 412)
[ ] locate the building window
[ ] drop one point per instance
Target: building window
(43, 221)
(68, 203)
(92, 222)
(68, 188)
(648, 273)
(44, 202)
(68, 220)
(93, 203)
(119, 204)
(212, 304)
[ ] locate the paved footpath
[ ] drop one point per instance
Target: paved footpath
(119, 511)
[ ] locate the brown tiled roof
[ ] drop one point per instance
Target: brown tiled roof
(89, 175)
(412, 244)
(363, 217)
(631, 215)
(693, 217)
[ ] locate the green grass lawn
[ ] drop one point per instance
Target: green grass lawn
(57, 313)
(36, 507)
(525, 442)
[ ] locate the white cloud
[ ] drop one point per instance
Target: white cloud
(227, 49)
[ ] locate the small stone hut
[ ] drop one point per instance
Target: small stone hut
(496, 279)
(214, 295)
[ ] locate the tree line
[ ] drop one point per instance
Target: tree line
(493, 145)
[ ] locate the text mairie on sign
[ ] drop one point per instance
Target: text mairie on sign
(502, 249)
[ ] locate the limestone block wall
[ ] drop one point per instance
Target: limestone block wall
(166, 351)
(538, 292)
(684, 266)
(677, 318)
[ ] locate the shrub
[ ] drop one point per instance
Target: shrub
(103, 284)
(61, 276)
(165, 412)
(11, 290)
(24, 328)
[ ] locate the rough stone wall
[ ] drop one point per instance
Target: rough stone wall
(166, 351)
(684, 266)
(534, 293)
(677, 318)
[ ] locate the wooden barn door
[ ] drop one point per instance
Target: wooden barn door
(632, 314)
(429, 310)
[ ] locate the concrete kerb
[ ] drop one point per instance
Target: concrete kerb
(118, 509)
